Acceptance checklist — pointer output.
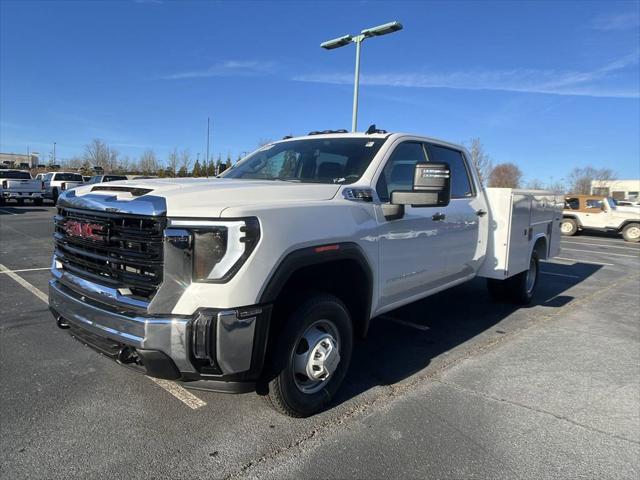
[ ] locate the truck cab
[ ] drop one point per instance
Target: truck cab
(599, 213)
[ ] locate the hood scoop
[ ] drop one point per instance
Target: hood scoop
(134, 191)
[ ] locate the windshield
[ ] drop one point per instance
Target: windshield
(95, 179)
(311, 160)
(15, 175)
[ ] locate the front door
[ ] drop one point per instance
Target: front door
(413, 249)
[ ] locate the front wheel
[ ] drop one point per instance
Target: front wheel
(631, 232)
(54, 196)
(311, 357)
(568, 227)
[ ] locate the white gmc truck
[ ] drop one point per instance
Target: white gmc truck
(261, 279)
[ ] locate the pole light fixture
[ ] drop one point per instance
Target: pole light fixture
(358, 39)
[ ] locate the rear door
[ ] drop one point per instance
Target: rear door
(461, 226)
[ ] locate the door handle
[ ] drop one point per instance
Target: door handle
(438, 217)
(481, 213)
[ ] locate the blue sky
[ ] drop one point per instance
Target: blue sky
(547, 85)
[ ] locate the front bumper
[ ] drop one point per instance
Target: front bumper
(165, 346)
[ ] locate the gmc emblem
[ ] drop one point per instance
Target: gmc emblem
(87, 231)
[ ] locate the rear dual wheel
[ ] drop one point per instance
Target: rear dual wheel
(518, 289)
(311, 357)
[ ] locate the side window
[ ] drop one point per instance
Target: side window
(572, 203)
(399, 170)
(593, 204)
(460, 183)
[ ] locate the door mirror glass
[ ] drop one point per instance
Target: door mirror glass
(431, 187)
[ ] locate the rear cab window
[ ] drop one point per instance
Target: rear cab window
(14, 175)
(69, 177)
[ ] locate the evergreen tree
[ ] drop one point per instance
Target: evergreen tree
(183, 172)
(211, 168)
(197, 169)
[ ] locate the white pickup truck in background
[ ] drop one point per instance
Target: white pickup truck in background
(18, 185)
(57, 182)
(261, 279)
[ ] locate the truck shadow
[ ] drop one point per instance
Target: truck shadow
(406, 340)
(19, 210)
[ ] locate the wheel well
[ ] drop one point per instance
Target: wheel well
(574, 218)
(540, 247)
(344, 278)
(628, 222)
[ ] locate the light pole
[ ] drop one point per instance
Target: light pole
(358, 39)
(54, 152)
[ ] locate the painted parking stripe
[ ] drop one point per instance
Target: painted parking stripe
(559, 274)
(181, 393)
(592, 239)
(25, 270)
(604, 253)
(581, 261)
(188, 398)
(605, 246)
(37, 292)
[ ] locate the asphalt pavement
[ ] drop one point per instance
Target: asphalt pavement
(453, 386)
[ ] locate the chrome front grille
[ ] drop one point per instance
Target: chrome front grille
(117, 250)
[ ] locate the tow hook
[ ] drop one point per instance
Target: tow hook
(61, 323)
(128, 355)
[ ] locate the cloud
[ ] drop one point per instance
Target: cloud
(244, 68)
(617, 21)
(581, 83)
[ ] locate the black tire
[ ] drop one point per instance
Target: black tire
(630, 232)
(2, 202)
(38, 202)
(568, 227)
(54, 196)
(20, 201)
(519, 289)
(286, 393)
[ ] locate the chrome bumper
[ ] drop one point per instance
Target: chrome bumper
(239, 335)
(166, 334)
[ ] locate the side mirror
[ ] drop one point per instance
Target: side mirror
(431, 188)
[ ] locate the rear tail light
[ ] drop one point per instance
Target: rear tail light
(63, 186)
(42, 185)
(4, 184)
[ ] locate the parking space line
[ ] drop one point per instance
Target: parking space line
(582, 261)
(605, 246)
(591, 239)
(560, 274)
(25, 270)
(605, 253)
(181, 393)
(37, 292)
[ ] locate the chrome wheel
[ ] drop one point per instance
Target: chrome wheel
(316, 356)
(532, 274)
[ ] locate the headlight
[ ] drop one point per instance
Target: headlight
(220, 248)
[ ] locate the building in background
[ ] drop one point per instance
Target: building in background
(20, 160)
(618, 189)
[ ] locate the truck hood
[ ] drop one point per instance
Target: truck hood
(191, 197)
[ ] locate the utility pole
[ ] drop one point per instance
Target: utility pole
(206, 163)
(54, 152)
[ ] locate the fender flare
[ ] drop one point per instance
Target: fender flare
(573, 217)
(316, 255)
(627, 222)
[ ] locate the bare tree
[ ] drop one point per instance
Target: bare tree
(535, 184)
(96, 153)
(557, 186)
(173, 161)
(480, 160)
(125, 164)
(580, 179)
(505, 175)
(185, 161)
(148, 162)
